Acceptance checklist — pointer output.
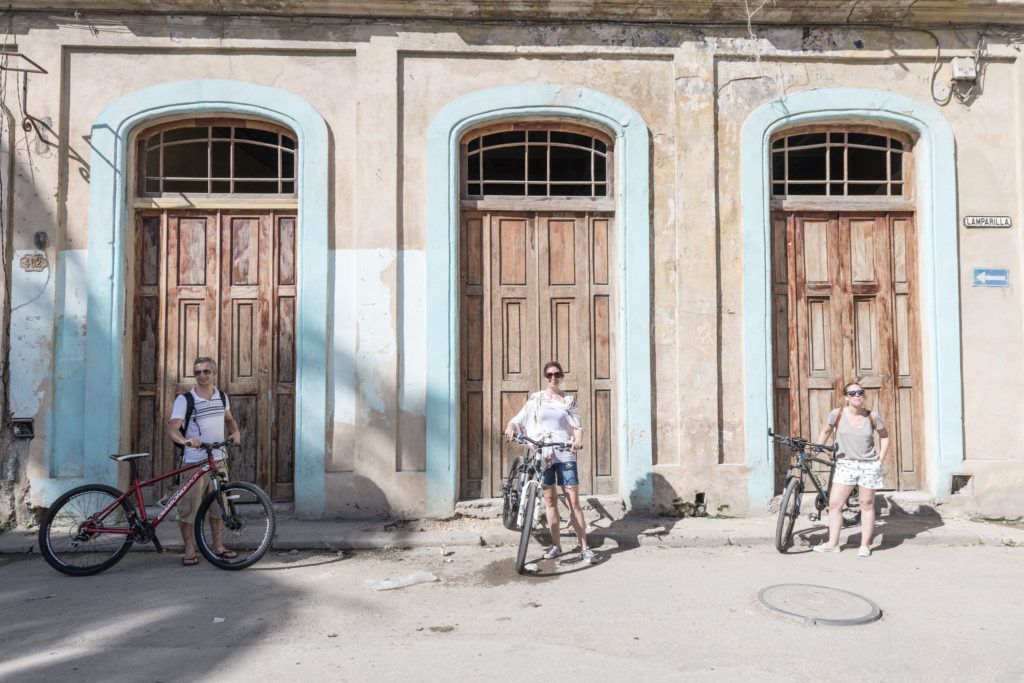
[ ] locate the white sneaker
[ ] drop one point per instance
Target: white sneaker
(588, 556)
(864, 551)
(825, 548)
(552, 552)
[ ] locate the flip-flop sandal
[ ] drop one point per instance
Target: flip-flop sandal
(228, 555)
(190, 561)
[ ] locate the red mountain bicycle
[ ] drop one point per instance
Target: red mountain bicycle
(90, 528)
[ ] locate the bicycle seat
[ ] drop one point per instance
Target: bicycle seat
(129, 456)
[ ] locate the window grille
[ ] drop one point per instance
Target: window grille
(838, 164)
(536, 163)
(217, 160)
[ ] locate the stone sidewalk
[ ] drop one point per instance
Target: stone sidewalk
(478, 524)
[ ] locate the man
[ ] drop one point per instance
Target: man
(210, 419)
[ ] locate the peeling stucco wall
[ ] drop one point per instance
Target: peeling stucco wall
(378, 85)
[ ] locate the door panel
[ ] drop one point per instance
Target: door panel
(228, 292)
(543, 284)
(843, 310)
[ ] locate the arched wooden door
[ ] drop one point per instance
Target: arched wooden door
(845, 309)
(218, 284)
(535, 287)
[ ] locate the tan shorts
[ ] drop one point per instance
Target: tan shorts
(186, 509)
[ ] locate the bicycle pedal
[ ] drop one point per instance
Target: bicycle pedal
(813, 517)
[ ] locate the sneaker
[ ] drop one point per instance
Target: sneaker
(864, 551)
(823, 548)
(588, 557)
(552, 552)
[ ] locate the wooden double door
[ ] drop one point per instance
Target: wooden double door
(219, 284)
(535, 287)
(845, 309)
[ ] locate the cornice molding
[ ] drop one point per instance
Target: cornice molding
(933, 13)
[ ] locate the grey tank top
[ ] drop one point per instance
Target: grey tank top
(856, 443)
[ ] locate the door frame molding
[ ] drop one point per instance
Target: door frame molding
(632, 217)
(936, 216)
(93, 298)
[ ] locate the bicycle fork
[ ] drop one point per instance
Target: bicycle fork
(521, 514)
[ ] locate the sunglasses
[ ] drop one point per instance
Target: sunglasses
(204, 372)
(855, 392)
(554, 375)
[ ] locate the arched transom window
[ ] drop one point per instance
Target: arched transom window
(217, 157)
(536, 160)
(839, 163)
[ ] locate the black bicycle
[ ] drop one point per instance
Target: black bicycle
(521, 492)
(802, 454)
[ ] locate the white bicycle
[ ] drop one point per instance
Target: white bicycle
(521, 492)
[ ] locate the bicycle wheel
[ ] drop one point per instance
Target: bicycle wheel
(67, 549)
(510, 495)
(524, 536)
(789, 510)
(245, 531)
(851, 509)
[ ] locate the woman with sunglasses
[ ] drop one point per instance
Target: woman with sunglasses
(858, 464)
(552, 415)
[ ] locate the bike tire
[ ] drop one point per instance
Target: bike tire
(510, 499)
(851, 510)
(789, 510)
(65, 550)
(247, 530)
(524, 536)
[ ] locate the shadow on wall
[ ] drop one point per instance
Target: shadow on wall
(28, 360)
(356, 497)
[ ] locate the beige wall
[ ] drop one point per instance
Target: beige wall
(378, 86)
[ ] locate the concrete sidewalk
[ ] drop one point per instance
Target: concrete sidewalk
(603, 530)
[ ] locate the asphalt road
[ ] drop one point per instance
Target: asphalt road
(949, 613)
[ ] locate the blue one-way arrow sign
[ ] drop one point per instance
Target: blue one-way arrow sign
(991, 277)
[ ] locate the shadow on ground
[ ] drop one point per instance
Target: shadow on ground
(894, 525)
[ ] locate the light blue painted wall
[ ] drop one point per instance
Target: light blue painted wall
(935, 159)
(83, 447)
(31, 329)
(526, 101)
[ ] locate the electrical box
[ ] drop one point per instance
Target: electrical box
(21, 428)
(963, 69)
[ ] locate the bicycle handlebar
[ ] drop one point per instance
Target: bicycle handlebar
(800, 444)
(218, 444)
(525, 440)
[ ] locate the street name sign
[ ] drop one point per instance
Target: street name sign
(987, 222)
(991, 277)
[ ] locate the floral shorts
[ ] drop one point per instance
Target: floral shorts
(864, 473)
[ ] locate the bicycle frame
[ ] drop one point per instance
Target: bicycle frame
(803, 463)
(135, 492)
(533, 474)
(800, 459)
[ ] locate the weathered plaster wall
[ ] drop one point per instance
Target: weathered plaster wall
(379, 86)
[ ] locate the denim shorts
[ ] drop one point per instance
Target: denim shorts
(564, 472)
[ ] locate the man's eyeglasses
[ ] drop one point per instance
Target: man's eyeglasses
(855, 392)
(554, 375)
(204, 372)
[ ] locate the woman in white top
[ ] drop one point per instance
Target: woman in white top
(552, 415)
(858, 464)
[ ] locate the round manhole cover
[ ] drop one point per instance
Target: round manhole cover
(819, 604)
